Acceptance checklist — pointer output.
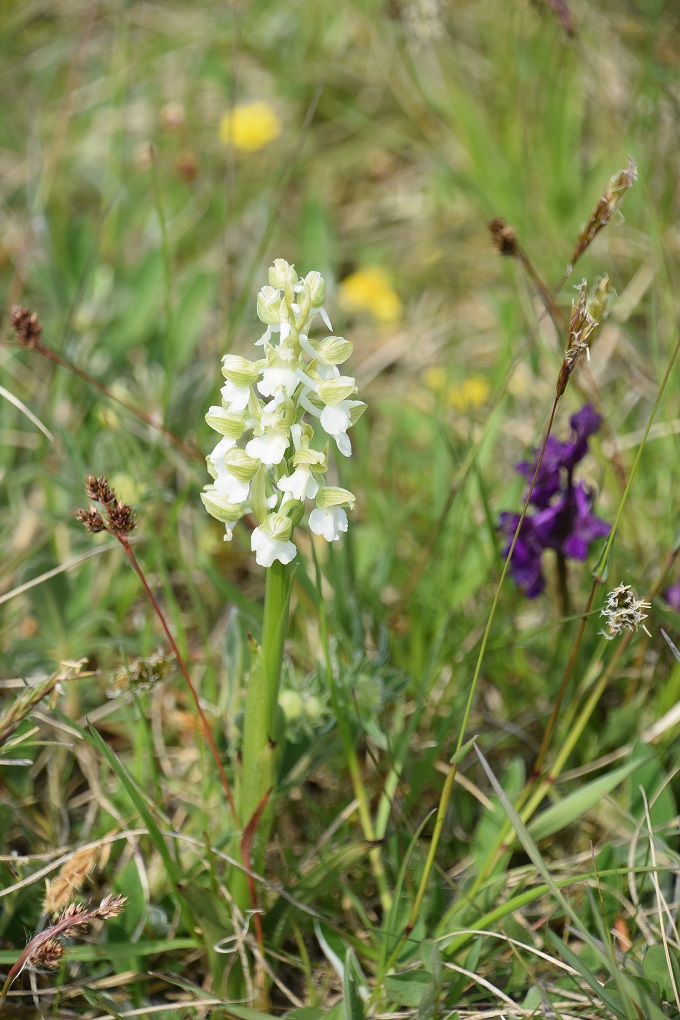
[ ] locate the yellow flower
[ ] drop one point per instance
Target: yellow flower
(370, 289)
(434, 378)
(250, 126)
(470, 394)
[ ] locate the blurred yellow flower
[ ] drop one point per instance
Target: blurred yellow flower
(250, 126)
(465, 396)
(370, 289)
(470, 394)
(435, 378)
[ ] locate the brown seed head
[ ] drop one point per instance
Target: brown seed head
(110, 906)
(620, 183)
(27, 326)
(72, 876)
(48, 954)
(99, 490)
(74, 919)
(120, 518)
(504, 238)
(581, 331)
(90, 519)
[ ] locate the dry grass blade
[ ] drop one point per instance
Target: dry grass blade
(19, 404)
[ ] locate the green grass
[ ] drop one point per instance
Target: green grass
(143, 266)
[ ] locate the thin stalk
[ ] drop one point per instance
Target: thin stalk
(604, 559)
(352, 759)
(58, 359)
(173, 644)
(447, 789)
(533, 795)
(540, 758)
(563, 584)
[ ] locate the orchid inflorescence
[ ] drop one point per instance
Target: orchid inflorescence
(265, 464)
(563, 517)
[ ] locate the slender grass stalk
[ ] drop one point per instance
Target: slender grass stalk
(119, 520)
(545, 743)
(447, 789)
(351, 757)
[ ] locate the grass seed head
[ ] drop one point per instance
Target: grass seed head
(623, 611)
(27, 326)
(504, 238)
(48, 954)
(616, 191)
(90, 519)
(72, 876)
(99, 490)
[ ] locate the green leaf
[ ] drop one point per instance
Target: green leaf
(189, 319)
(576, 804)
(655, 966)
(395, 921)
(650, 775)
(245, 1013)
(305, 1013)
(140, 318)
(579, 966)
(408, 989)
(431, 956)
(540, 865)
(462, 751)
(332, 946)
(214, 920)
(429, 1002)
(354, 1007)
(139, 803)
(336, 1012)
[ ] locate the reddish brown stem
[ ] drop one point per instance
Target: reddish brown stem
(173, 644)
(63, 362)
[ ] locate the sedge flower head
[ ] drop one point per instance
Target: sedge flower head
(623, 611)
(369, 289)
(277, 417)
(563, 517)
(250, 126)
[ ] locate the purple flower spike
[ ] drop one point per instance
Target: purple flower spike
(526, 556)
(564, 518)
(583, 424)
(671, 595)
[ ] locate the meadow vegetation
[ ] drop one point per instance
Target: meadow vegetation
(464, 800)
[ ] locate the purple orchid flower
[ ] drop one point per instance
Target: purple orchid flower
(672, 596)
(564, 518)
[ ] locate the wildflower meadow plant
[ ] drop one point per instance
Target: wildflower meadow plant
(276, 420)
(249, 127)
(265, 464)
(563, 520)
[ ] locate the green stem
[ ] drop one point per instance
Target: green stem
(260, 736)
